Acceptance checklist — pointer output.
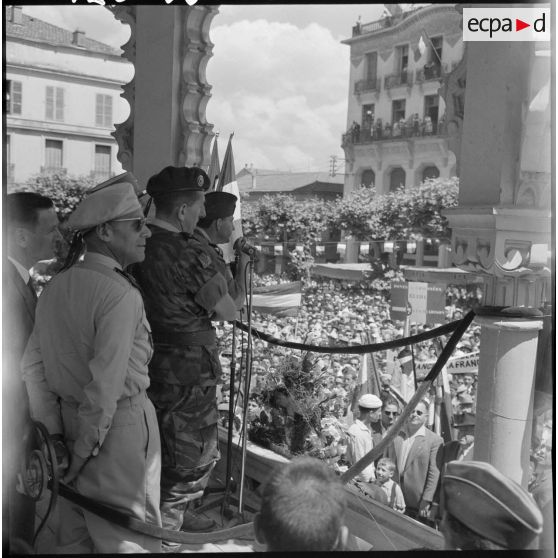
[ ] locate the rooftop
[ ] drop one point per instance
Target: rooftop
(282, 181)
(21, 26)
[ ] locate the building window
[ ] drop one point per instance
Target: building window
(398, 110)
(14, 97)
(371, 61)
(435, 51)
(368, 178)
(402, 61)
(396, 179)
(103, 111)
(55, 103)
(431, 110)
(102, 162)
(367, 121)
(53, 155)
(430, 172)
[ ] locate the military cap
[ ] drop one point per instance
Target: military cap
(100, 205)
(465, 399)
(124, 177)
(219, 205)
(463, 420)
(177, 179)
(369, 401)
(490, 504)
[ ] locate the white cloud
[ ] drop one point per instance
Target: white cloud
(282, 90)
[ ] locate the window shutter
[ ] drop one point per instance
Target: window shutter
(60, 104)
(50, 102)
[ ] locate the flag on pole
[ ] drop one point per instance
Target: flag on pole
(227, 183)
(281, 300)
(368, 379)
(214, 169)
(421, 46)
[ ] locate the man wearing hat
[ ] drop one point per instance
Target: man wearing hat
(359, 434)
(85, 369)
(485, 510)
(216, 228)
(184, 289)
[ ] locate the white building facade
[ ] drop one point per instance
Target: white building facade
(397, 133)
(63, 101)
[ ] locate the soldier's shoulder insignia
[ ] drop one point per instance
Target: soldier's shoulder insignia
(204, 260)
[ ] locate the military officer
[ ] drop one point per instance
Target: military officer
(184, 289)
(485, 510)
(85, 369)
(216, 228)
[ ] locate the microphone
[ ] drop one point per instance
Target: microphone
(242, 245)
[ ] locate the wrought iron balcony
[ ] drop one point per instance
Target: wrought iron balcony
(54, 170)
(427, 73)
(367, 85)
(395, 80)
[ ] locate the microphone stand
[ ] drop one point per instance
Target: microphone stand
(247, 378)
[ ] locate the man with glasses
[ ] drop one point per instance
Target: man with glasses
(85, 368)
(390, 413)
(32, 227)
(415, 451)
(184, 291)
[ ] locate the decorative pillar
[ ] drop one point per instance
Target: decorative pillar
(169, 47)
(505, 393)
(501, 231)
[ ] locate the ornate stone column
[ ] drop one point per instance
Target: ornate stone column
(501, 232)
(505, 393)
(169, 47)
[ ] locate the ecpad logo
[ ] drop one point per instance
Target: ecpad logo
(507, 24)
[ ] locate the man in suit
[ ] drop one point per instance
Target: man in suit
(414, 452)
(32, 233)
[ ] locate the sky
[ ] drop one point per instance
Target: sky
(279, 76)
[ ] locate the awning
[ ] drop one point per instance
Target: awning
(346, 271)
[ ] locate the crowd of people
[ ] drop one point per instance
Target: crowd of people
(125, 358)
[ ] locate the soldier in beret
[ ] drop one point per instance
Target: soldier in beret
(184, 289)
(485, 510)
(85, 369)
(216, 228)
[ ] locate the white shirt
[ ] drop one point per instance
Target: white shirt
(359, 443)
(406, 446)
(21, 270)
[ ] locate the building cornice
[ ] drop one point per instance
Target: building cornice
(404, 24)
(70, 49)
(23, 68)
(56, 128)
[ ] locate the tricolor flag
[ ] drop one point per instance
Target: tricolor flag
(281, 300)
(227, 183)
(214, 169)
(421, 46)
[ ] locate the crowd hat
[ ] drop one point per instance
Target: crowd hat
(177, 179)
(219, 205)
(106, 202)
(369, 401)
(464, 420)
(465, 399)
(490, 504)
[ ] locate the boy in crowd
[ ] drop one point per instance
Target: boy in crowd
(385, 470)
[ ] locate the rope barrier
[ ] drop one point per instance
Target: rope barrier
(378, 450)
(355, 349)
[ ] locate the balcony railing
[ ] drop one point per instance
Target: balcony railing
(53, 170)
(367, 85)
(436, 71)
(401, 78)
(389, 132)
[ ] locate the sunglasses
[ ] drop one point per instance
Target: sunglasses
(139, 222)
(419, 413)
(391, 414)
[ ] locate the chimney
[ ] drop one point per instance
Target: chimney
(16, 15)
(254, 172)
(78, 38)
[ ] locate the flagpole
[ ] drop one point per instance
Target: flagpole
(430, 41)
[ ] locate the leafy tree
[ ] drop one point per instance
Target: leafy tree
(65, 190)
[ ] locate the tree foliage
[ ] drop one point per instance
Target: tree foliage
(400, 215)
(65, 190)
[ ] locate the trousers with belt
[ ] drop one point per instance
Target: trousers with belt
(125, 474)
(183, 389)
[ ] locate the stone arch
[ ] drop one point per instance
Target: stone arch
(367, 177)
(396, 178)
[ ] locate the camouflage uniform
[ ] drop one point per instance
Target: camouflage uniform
(181, 285)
